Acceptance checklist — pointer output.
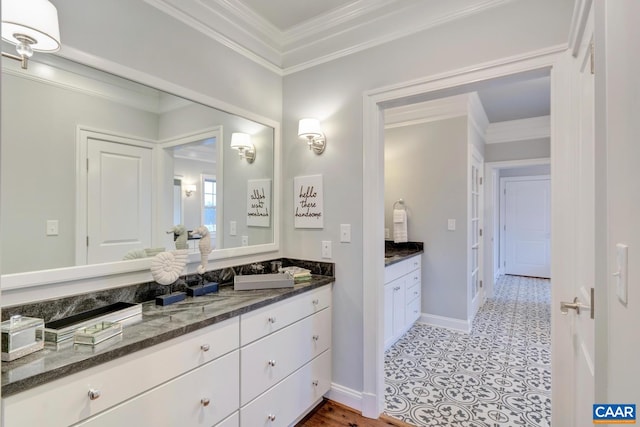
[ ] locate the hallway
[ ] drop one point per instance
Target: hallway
(498, 375)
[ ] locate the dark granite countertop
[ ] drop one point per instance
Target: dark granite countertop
(396, 252)
(158, 324)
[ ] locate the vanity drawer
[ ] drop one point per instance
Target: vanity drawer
(201, 397)
(414, 277)
(412, 292)
(414, 263)
(412, 313)
(261, 322)
(267, 361)
(66, 401)
(302, 389)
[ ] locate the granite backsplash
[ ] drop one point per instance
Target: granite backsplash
(62, 307)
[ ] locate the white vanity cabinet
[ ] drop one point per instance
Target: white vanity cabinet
(402, 302)
(285, 359)
(151, 387)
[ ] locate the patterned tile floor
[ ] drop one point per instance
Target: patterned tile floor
(498, 375)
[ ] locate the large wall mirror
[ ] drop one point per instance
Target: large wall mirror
(97, 169)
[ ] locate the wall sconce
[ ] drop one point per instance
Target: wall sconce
(242, 143)
(189, 189)
(311, 130)
(31, 25)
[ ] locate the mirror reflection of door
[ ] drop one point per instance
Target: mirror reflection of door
(118, 199)
(177, 200)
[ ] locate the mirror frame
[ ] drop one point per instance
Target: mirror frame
(122, 273)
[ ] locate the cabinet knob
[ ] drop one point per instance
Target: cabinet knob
(205, 347)
(205, 401)
(271, 417)
(272, 319)
(315, 383)
(316, 337)
(272, 362)
(316, 301)
(93, 394)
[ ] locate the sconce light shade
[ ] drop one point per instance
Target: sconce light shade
(310, 130)
(189, 189)
(242, 142)
(31, 25)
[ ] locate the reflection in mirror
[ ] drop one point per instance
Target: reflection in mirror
(95, 167)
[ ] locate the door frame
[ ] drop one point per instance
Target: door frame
(503, 208)
(491, 210)
(554, 61)
(83, 134)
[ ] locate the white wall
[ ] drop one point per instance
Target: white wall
(426, 165)
(333, 92)
(617, 129)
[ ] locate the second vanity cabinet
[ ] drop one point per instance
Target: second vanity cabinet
(268, 366)
(402, 303)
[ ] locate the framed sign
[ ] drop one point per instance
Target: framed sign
(259, 202)
(307, 196)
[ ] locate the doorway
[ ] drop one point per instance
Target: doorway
(375, 102)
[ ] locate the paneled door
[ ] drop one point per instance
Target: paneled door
(119, 185)
(527, 226)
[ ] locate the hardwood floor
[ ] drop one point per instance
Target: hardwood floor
(330, 413)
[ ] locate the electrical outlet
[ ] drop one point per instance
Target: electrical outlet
(345, 233)
(233, 229)
(451, 225)
(326, 249)
(387, 233)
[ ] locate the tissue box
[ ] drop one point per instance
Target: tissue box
(21, 336)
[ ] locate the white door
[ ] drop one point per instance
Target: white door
(582, 323)
(118, 199)
(527, 226)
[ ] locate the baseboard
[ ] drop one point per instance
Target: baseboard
(446, 322)
(346, 396)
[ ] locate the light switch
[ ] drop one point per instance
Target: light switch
(245, 240)
(622, 259)
(451, 225)
(232, 228)
(345, 233)
(326, 249)
(52, 227)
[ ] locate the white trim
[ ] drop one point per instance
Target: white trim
(425, 112)
(374, 103)
(345, 396)
(458, 325)
(519, 130)
(579, 22)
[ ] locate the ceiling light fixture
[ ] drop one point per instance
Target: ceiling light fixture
(31, 25)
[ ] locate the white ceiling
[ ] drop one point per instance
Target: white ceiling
(290, 35)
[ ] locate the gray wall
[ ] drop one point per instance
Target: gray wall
(426, 165)
(38, 166)
(518, 150)
(333, 92)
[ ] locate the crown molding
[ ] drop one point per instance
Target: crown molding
(341, 32)
(519, 130)
(579, 19)
(429, 111)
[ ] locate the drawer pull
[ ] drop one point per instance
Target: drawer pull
(415, 292)
(315, 383)
(205, 401)
(272, 363)
(271, 417)
(205, 347)
(93, 394)
(272, 320)
(316, 337)
(397, 288)
(316, 301)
